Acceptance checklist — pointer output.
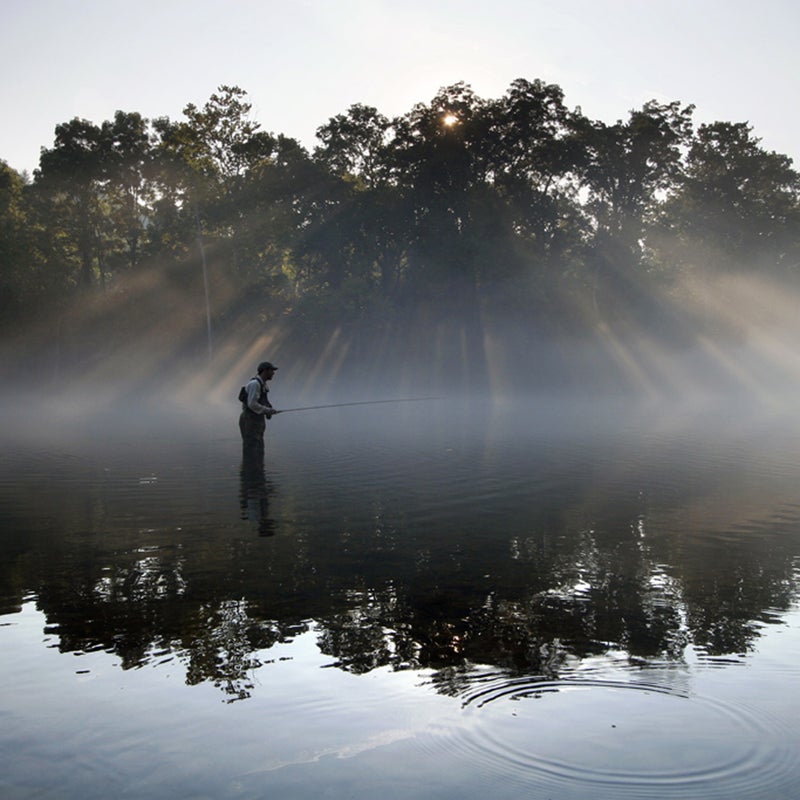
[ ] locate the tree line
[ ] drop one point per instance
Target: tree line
(464, 206)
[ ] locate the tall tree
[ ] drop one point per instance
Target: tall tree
(738, 205)
(628, 165)
(438, 164)
(626, 170)
(203, 160)
(17, 278)
(128, 168)
(355, 144)
(534, 167)
(71, 173)
(357, 149)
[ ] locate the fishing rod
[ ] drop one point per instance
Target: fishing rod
(357, 403)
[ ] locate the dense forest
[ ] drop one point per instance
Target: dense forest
(459, 233)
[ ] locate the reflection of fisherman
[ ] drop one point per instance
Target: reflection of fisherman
(256, 408)
(254, 493)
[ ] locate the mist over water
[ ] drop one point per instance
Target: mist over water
(711, 342)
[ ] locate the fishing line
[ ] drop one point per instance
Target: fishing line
(357, 403)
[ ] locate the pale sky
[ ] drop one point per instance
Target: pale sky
(304, 61)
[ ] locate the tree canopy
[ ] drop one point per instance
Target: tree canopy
(463, 209)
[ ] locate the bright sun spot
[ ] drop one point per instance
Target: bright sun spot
(449, 119)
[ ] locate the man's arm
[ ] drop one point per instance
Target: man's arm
(253, 393)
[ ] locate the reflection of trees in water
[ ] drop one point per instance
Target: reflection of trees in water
(597, 600)
(556, 594)
(221, 647)
(728, 606)
(605, 590)
(143, 614)
(128, 609)
(373, 632)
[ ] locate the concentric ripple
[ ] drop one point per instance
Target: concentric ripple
(619, 739)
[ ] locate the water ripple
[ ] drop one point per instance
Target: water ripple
(619, 739)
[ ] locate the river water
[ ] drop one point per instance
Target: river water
(439, 600)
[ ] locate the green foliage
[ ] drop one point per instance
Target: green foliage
(462, 204)
(16, 274)
(736, 205)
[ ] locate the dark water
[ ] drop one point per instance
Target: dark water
(476, 600)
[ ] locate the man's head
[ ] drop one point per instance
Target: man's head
(266, 370)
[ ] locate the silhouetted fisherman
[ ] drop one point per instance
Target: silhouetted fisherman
(256, 409)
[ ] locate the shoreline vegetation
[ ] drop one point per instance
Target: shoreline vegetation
(467, 241)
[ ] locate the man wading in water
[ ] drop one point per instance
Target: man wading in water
(256, 408)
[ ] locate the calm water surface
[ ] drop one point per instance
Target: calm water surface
(475, 600)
